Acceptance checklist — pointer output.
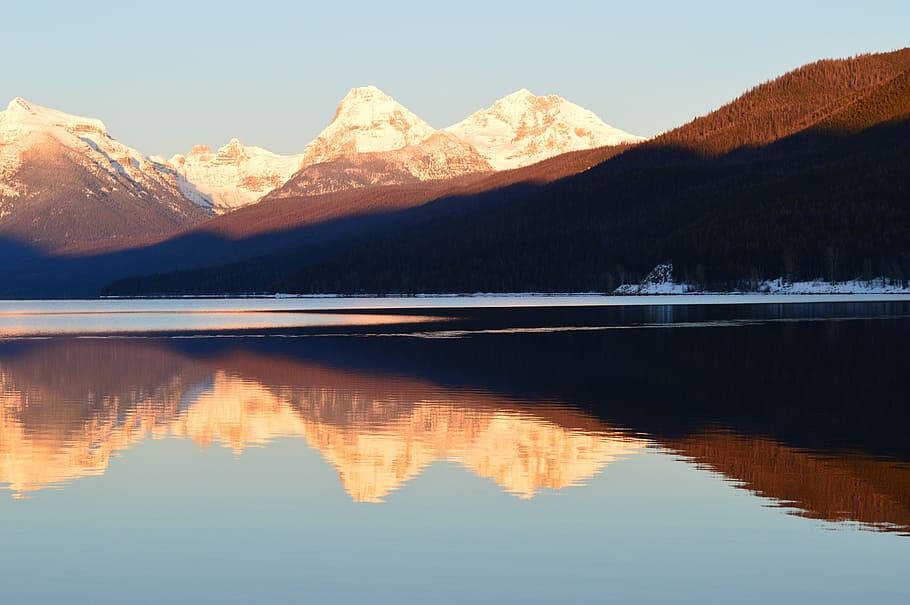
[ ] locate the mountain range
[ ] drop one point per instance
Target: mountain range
(800, 177)
(372, 140)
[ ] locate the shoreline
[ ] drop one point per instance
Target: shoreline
(285, 302)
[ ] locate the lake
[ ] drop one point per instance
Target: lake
(456, 449)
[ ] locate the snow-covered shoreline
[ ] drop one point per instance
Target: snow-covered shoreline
(660, 282)
(658, 288)
(777, 287)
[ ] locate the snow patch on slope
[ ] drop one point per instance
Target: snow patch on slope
(879, 285)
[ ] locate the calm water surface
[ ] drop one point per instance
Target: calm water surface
(347, 451)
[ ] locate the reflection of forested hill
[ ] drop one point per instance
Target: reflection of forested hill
(847, 487)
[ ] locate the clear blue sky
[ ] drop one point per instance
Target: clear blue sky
(166, 75)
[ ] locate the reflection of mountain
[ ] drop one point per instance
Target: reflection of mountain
(397, 436)
(66, 407)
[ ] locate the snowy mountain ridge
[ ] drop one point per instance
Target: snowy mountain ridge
(370, 130)
(373, 140)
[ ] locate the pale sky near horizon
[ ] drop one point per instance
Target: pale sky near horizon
(166, 75)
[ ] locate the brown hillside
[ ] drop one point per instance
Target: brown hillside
(788, 104)
(887, 102)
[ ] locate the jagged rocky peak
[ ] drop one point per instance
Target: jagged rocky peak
(198, 150)
(523, 128)
(235, 175)
(234, 147)
(367, 120)
(234, 152)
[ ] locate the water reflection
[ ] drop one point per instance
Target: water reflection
(67, 406)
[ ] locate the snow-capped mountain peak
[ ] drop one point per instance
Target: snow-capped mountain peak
(367, 120)
(25, 126)
(64, 180)
(522, 93)
(234, 148)
(23, 117)
(236, 153)
(523, 128)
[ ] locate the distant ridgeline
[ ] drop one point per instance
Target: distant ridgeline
(800, 178)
